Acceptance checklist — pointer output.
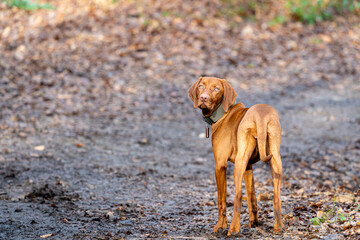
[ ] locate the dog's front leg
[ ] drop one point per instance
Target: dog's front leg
(238, 176)
(220, 174)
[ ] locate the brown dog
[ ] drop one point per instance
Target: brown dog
(243, 136)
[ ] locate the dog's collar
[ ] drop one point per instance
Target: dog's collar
(215, 116)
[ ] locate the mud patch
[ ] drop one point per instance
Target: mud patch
(49, 192)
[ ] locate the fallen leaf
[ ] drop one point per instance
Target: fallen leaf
(348, 198)
(347, 226)
(209, 204)
(318, 204)
(47, 235)
(40, 148)
(79, 145)
(263, 197)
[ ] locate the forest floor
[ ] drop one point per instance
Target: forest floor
(99, 139)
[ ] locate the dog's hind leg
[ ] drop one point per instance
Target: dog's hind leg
(251, 196)
(246, 145)
(276, 172)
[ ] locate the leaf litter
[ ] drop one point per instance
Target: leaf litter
(104, 87)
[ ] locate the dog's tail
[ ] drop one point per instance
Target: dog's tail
(261, 140)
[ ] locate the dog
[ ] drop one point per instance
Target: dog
(242, 136)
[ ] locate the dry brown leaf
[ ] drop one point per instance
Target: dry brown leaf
(347, 198)
(318, 204)
(263, 197)
(79, 145)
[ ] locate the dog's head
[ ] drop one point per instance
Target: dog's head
(208, 93)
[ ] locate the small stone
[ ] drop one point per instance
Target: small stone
(22, 134)
(144, 141)
(201, 135)
(110, 215)
(89, 213)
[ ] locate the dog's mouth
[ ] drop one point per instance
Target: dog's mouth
(205, 108)
(206, 111)
(202, 106)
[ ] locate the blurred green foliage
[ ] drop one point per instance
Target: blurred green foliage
(28, 5)
(244, 9)
(306, 11)
(277, 20)
(309, 11)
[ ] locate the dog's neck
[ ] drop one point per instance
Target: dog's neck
(215, 116)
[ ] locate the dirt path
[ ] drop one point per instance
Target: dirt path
(99, 139)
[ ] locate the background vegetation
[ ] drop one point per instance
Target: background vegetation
(99, 140)
(275, 11)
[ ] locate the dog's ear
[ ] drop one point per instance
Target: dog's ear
(193, 91)
(229, 96)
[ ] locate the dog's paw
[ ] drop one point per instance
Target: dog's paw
(234, 229)
(221, 224)
(279, 229)
(253, 223)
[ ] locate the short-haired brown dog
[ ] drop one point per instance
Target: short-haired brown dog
(243, 136)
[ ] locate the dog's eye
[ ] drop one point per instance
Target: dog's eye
(216, 89)
(201, 86)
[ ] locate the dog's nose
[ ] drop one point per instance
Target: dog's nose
(204, 97)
